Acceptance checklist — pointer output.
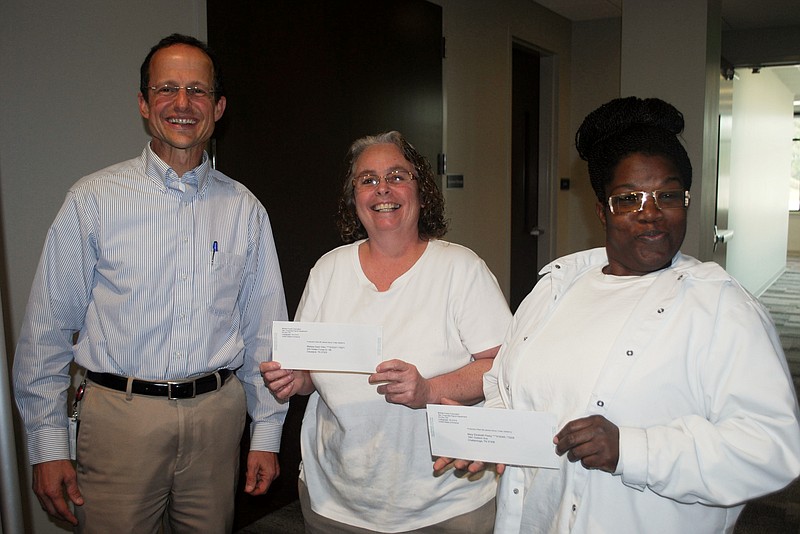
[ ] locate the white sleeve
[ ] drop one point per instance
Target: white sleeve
(481, 309)
(747, 443)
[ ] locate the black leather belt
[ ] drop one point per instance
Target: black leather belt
(184, 389)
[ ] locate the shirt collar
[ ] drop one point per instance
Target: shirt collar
(157, 169)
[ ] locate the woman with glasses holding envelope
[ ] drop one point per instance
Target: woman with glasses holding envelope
(672, 392)
(366, 455)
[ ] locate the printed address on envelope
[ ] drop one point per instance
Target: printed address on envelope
(351, 348)
(511, 437)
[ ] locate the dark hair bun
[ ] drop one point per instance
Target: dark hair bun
(622, 114)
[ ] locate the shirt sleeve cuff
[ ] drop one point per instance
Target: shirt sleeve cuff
(265, 437)
(632, 463)
(47, 445)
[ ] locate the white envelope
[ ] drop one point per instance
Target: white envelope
(327, 346)
(511, 437)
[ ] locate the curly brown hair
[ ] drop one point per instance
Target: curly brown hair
(431, 223)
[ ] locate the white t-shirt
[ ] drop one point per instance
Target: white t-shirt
(367, 462)
(561, 364)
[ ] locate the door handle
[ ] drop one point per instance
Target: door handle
(536, 231)
(721, 236)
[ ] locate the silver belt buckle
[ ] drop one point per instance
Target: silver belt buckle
(169, 390)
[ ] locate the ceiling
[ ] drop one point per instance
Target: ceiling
(736, 15)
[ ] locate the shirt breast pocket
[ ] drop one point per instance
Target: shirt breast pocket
(226, 277)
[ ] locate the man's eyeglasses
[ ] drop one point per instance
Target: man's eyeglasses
(371, 181)
(633, 201)
(171, 91)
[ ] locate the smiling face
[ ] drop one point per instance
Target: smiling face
(181, 125)
(642, 242)
(387, 210)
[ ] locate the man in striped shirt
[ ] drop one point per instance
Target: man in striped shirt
(159, 277)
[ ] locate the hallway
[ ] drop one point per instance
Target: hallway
(782, 300)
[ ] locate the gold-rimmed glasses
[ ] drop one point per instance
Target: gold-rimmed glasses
(633, 201)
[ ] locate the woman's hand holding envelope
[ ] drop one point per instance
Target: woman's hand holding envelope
(442, 464)
(283, 383)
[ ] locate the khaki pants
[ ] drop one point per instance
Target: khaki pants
(479, 521)
(140, 457)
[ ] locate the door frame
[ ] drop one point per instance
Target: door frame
(548, 148)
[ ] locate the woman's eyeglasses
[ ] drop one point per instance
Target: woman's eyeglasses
(633, 201)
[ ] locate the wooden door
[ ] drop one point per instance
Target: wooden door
(304, 79)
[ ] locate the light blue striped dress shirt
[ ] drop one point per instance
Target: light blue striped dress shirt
(128, 264)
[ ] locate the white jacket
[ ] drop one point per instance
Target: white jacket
(698, 385)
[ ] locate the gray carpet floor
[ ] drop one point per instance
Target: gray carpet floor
(778, 513)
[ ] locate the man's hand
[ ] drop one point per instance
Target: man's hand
(50, 479)
(593, 440)
(262, 469)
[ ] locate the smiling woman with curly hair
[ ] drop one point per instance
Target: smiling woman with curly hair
(431, 224)
(366, 457)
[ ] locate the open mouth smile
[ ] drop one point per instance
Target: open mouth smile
(385, 207)
(181, 122)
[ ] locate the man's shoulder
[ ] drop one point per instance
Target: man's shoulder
(235, 187)
(110, 174)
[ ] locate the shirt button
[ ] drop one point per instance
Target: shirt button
(574, 508)
(516, 491)
(629, 353)
(601, 403)
(184, 277)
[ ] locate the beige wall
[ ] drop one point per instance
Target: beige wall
(671, 50)
(595, 81)
(477, 92)
(794, 233)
